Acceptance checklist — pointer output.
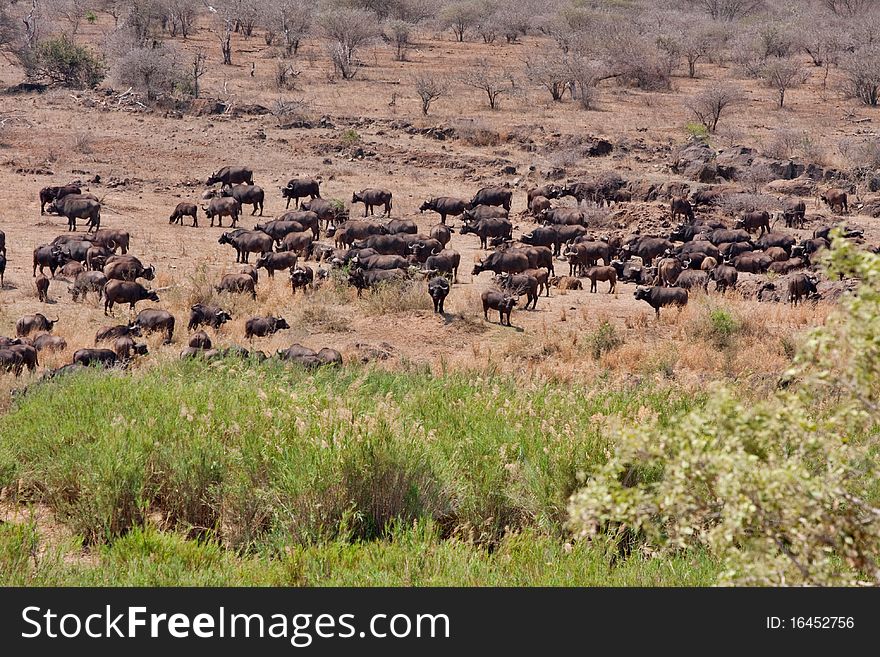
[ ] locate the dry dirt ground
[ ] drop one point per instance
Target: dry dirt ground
(148, 161)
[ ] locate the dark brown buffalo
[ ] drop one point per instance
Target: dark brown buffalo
(50, 194)
(794, 213)
(2, 270)
(777, 253)
(273, 262)
(362, 279)
(126, 348)
(481, 212)
(782, 240)
(327, 211)
(222, 207)
(48, 256)
(563, 216)
(113, 333)
(112, 238)
(494, 195)
(543, 278)
(422, 249)
(728, 250)
(756, 262)
(725, 277)
(238, 284)
(787, 266)
(278, 230)
(11, 361)
(706, 196)
(583, 255)
(127, 268)
(212, 316)
(301, 278)
(700, 246)
(836, 199)
(441, 233)
(512, 261)
(399, 226)
(89, 357)
(76, 207)
(352, 231)
(33, 324)
(247, 195)
(486, 229)
(519, 285)
(88, 281)
(77, 250)
(495, 300)
(309, 357)
(232, 175)
(96, 257)
(668, 271)
(49, 342)
(182, 210)
(438, 290)
(691, 279)
(606, 274)
(371, 197)
(298, 188)
(251, 241)
(308, 219)
(658, 297)
(539, 256)
(126, 292)
(300, 243)
(549, 191)
(72, 269)
(42, 285)
(681, 207)
(386, 244)
(752, 221)
(539, 204)
(543, 236)
(379, 261)
(445, 206)
(28, 353)
(445, 262)
(262, 326)
(200, 340)
(802, 286)
(156, 321)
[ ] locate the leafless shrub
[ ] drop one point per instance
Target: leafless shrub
(429, 87)
(635, 59)
(862, 74)
(552, 72)
(475, 132)
(586, 75)
(180, 16)
(708, 106)
(398, 33)
(728, 10)
(784, 144)
(197, 68)
(488, 79)
(742, 202)
(460, 17)
(289, 111)
(347, 30)
(83, 142)
(153, 71)
(849, 8)
(285, 75)
(782, 75)
(291, 20)
(690, 39)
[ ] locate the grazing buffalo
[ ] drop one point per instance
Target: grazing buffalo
(112, 238)
(89, 357)
(49, 342)
(836, 199)
(298, 188)
(301, 278)
(802, 286)
(278, 230)
(247, 242)
(74, 206)
(212, 316)
(262, 326)
(11, 361)
(238, 284)
(794, 213)
(35, 323)
(752, 221)
(499, 196)
(681, 207)
(658, 297)
(232, 175)
(222, 207)
(88, 281)
(362, 279)
(445, 206)
(483, 212)
(486, 229)
(28, 353)
(549, 191)
(371, 197)
(309, 357)
(113, 333)
(301, 243)
(692, 279)
(512, 261)
(185, 210)
(563, 217)
(495, 300)
(126, 292)
(329, 212)
(246, 195)
(401, 226)
(200, 340)
(126, 348)
(50, 194)
(156, 321)
(441, 233)
(519, 285)
(438, 290)
(596, 274)
(725, 277)
(48, 256)
(273, 262)
(127, 268)
(42, 285)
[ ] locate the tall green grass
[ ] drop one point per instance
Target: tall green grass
(266, 461)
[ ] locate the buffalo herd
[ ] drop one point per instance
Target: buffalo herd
(666, 265)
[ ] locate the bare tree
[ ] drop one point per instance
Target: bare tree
(347, 30)
(8, 26)
(198, 68)
(487, 23)
(429, 87)
(397, 33)
(224, 26)
(152, 70)
(291, 19)
(180, 16)
(552, 72)
(728, 10)
(708, 106)
(691, 40)
(460, 16)
(586, 75)
(782, 75)
(862, 71)
(493, 82)
(849, 8)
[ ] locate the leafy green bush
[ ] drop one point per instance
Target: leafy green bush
(781, 492)
(60, 61)
(603, 340)
(697, 130)
(720, 327)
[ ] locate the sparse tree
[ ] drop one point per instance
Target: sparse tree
(487, 23)
(429, 87)
(180, 16)
(291, 19)
(224, 26)
(397, 33)
(151, 70)
(347, 30)
(862, 71)
(850, 8)
(247, 14)
(460, 16)
(198, 68)
(782, 75)
(552, 72)
(691, 40)
(491, 81)
(708, 106)
(8, 26)
(728, 10)
(586, 75)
